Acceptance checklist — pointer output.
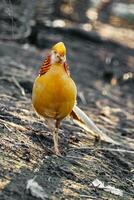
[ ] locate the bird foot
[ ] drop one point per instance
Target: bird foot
(57, 152)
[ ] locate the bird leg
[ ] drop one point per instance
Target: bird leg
(55, 138)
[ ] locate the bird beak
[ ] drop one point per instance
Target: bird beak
(62, 58)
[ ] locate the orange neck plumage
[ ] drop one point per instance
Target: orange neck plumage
(47, 64)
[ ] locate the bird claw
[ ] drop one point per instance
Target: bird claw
(57, 152)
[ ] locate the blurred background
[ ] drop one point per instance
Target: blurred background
(110, 19)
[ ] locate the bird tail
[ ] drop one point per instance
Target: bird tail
(85, 122)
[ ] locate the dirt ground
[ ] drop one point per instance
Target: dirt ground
(104, 75)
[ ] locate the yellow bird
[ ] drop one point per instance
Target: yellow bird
(54, 91)
(54, 95)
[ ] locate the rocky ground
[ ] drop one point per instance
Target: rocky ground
(104, 74)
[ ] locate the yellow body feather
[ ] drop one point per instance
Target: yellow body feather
(54, 93)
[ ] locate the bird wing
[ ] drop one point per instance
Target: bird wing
(85, 122)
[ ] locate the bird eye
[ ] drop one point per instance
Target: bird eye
(54, 51)
(58, 56)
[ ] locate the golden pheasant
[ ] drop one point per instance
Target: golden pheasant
(54, 94)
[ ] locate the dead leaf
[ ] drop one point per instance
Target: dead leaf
(114, 190)
(35, 189)
(100, 185)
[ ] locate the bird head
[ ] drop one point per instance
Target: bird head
(58, 53)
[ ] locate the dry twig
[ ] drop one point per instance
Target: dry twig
(18, 86)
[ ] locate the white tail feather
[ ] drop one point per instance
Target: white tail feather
(85, 122)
